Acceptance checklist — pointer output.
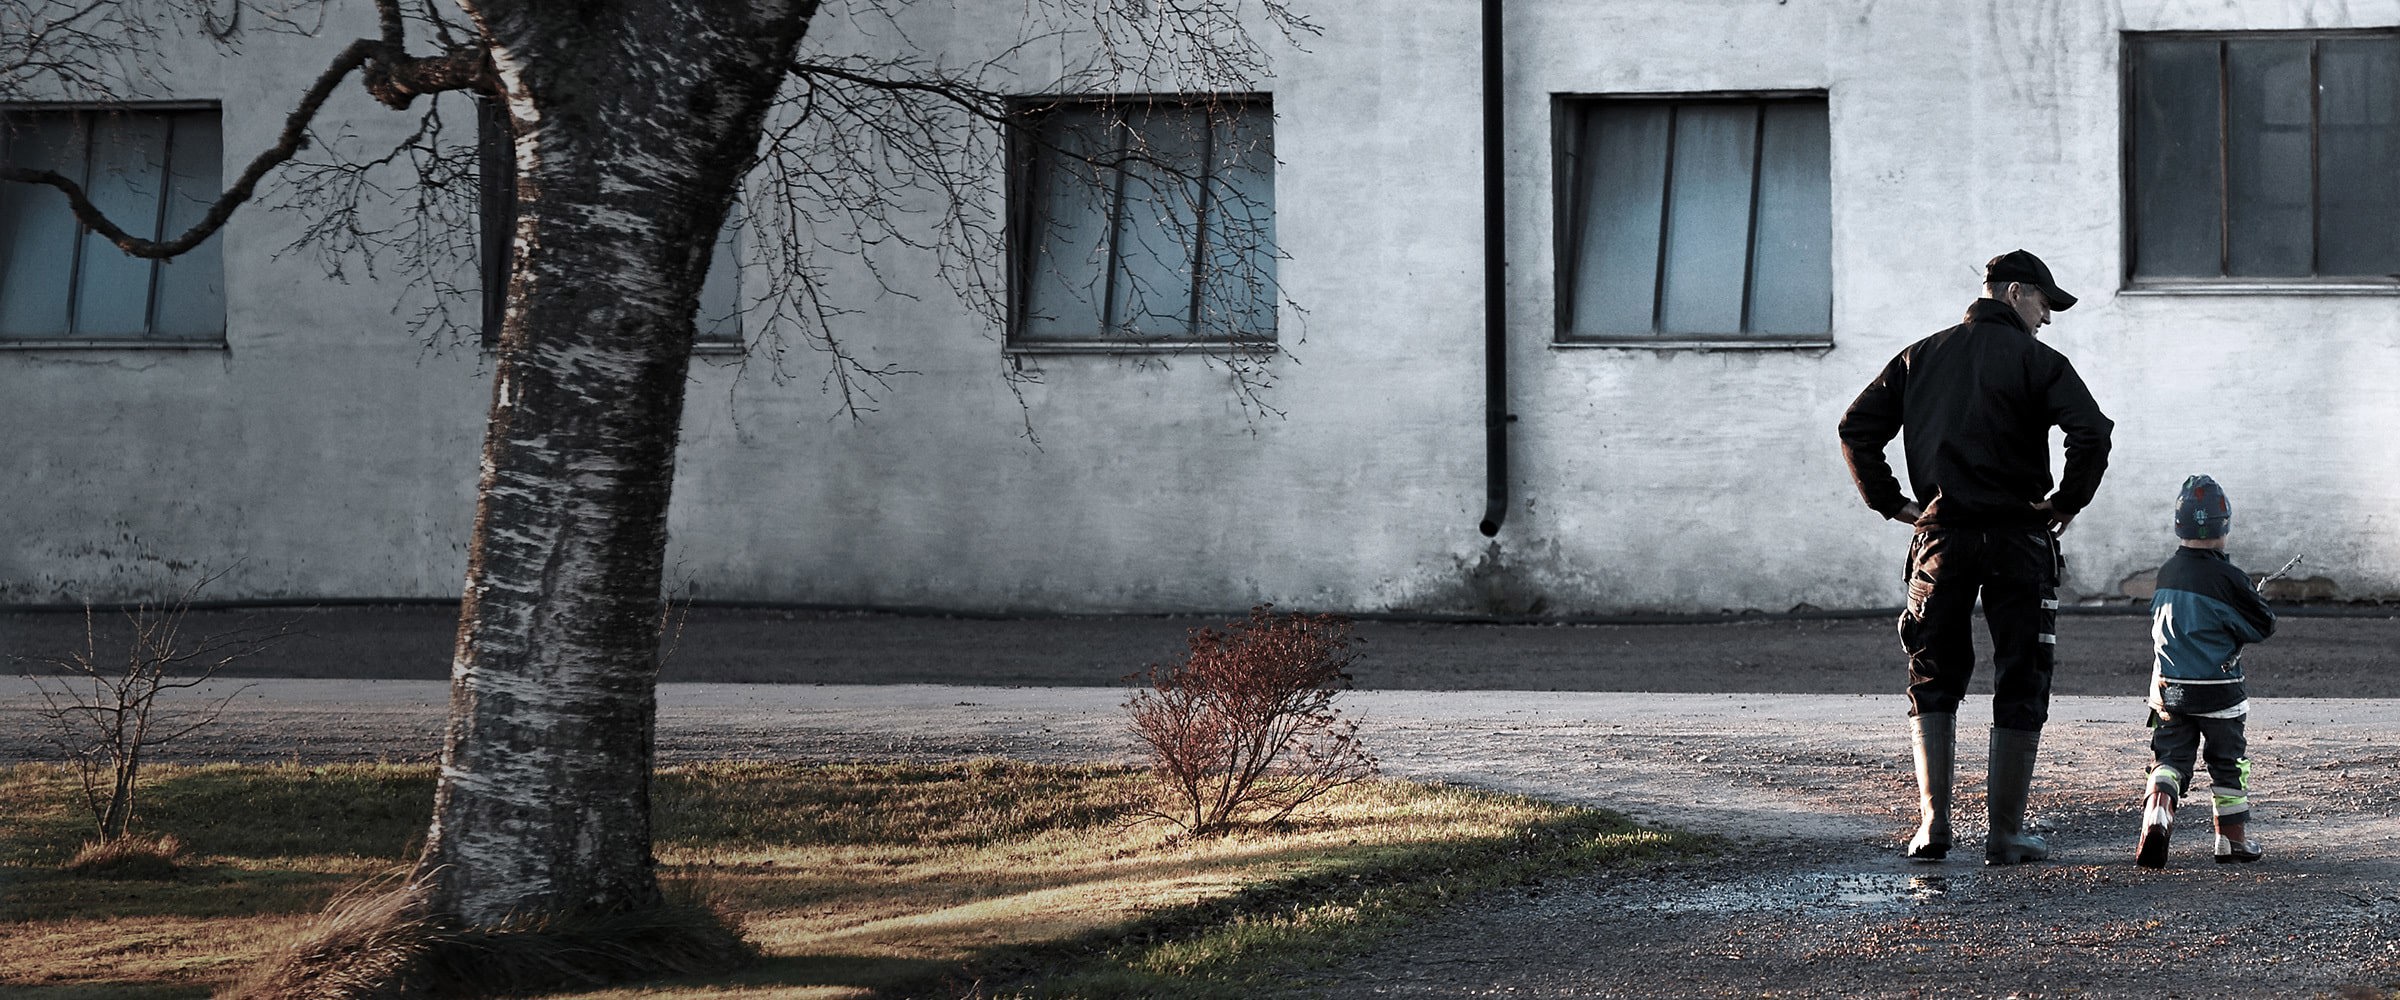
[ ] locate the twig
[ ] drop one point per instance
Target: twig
(2279, 574)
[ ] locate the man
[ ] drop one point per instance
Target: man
(1977, 402)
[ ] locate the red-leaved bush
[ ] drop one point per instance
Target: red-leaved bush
(1247, 722)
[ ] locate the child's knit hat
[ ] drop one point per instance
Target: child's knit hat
(2201, 510)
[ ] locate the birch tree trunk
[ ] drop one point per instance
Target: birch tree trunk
(633, 122)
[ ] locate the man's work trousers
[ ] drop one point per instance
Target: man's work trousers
(2220, 742)
(2015, 570)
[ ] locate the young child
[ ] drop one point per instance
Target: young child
(2205, 611)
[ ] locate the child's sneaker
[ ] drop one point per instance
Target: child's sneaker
(2233, 847)
(2158, 824)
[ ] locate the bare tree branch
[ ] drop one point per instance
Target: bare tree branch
(394, 79)
(95, 47)
(394, 27)
(935, 138)
(986, 104)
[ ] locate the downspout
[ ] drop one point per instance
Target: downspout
(1496, 417)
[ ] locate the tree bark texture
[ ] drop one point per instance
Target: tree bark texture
(634, 122)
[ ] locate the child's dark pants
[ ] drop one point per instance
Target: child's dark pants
(2221, 742)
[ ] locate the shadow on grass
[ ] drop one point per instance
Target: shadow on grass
(365, 810)
(1248, 942)
(292, 837)
(939, 887)
(362, 810)
(38, 828)
(128, 989)
(208, 891)
(965, 803)
(880, 975)
(1272, 934)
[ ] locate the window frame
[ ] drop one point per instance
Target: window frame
(1567, 117)
(1018, 227)
(210, 342)
(2223, 283)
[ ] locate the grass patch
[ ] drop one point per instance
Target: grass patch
(129, 857)
(853, 880)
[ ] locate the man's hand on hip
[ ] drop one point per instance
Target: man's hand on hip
(1909, 513)
(2057, 524)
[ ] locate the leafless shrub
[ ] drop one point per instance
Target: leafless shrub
(378, 941)
(674, 612)
(1247, 721)
(101, 703)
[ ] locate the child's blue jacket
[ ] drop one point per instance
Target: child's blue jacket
(2205, 611)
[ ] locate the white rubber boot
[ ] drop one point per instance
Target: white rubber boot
(2233, 843)
(2158, 817)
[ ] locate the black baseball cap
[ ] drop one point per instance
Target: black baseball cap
(2019, 266)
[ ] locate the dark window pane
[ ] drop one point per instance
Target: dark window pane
(720, 317)
(128, 160)
(2358, 168)
(1067, 256)
(191, 287)
(2268, 192)
(2177, 228)
(1708, 219)
(1791, 264)
(1158, 223)
(37, 232)
(1238, 294)
(1150, 220)
(495, 211)
(1623, 164)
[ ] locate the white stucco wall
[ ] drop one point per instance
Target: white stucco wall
(332, 454)
(1693, 480)
(324, 449)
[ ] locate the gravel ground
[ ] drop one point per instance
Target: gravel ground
(1813, 900)
(1812, 790)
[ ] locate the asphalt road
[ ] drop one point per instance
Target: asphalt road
(2311, 656)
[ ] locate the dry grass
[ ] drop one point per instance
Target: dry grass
(375, 942)
(852, 880)
(129, 857)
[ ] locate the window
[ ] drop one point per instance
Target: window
(1694, 219)
(720, 318)
(2263, 156)
(152, 171)
(1145, 221)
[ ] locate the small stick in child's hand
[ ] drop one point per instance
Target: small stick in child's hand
(2279, 574)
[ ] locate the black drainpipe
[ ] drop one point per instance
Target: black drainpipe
(1496, 417)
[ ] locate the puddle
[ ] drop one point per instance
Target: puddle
(1810, 892)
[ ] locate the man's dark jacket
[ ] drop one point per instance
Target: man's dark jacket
(1978, 401)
